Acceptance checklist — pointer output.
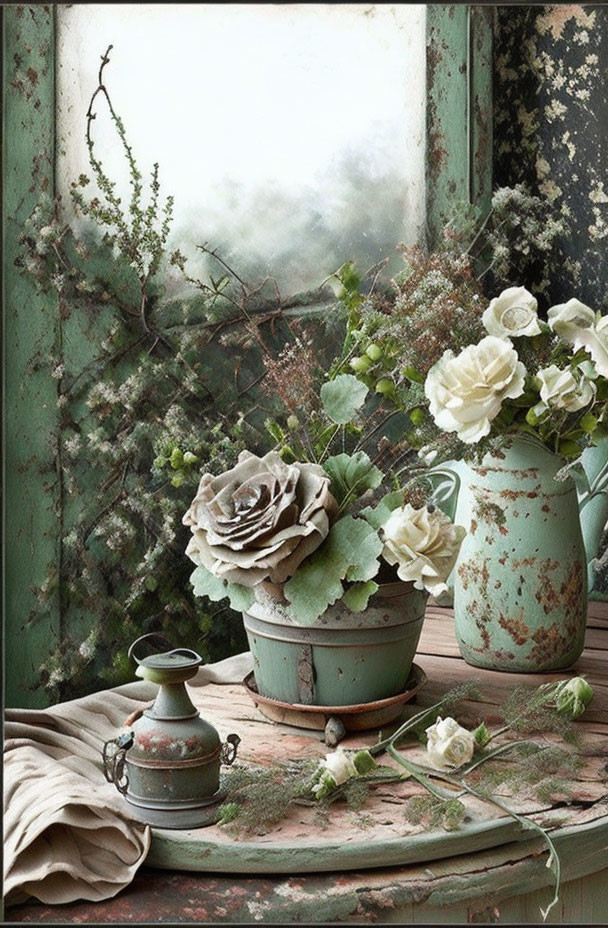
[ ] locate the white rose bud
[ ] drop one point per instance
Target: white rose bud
(560, 388)
(573, 696)
(337, 768)
(466, 391)
(424, 545)
(513, 313)
(448, 744)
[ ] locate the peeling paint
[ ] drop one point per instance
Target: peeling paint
(551, 110)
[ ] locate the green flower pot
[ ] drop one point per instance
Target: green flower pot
(345, 658)
(520, 583)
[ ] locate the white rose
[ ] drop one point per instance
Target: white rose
(513, 313)
(448, 744)
(579, 325)
(340, 765)
(423, 544)
(561, 388)
(595, 342)
(466, 391)
(567, 319)
(337, 768)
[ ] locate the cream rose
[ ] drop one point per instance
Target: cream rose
(259, 520)
(466, 391)
(513, 313)
(579, 325)
(562, 389)
(595, 342)
(448, 744)
(337, 768)
(567, 319)
(424, 545)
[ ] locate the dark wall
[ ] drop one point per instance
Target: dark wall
(551, 129)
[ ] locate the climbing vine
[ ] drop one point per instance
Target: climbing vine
(150, 386)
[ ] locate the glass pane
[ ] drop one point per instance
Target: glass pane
(292, 135)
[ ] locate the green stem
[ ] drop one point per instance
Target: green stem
(495, 753)
(527, 823)
(381, 746)
(331, 438)
(500, 731)
(466, 788)
(417, 775)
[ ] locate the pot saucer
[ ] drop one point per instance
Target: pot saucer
(337, 720)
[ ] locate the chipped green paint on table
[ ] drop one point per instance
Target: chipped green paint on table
(487, 870)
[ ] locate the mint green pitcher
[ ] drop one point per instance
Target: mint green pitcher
(520, 584)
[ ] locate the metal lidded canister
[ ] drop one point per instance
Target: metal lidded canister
(167, 762)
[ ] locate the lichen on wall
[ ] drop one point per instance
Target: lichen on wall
(551, 129)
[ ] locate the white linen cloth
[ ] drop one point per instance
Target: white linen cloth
(67, 832)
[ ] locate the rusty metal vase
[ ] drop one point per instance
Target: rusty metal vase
(345, 658)
(520, 584)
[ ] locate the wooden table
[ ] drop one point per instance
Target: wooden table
(486, 871)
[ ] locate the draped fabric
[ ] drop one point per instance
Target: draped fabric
(68, 834)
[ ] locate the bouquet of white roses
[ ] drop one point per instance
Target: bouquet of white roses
(487, 388)
(467, 370)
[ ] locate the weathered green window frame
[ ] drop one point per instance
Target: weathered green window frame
(458, 167)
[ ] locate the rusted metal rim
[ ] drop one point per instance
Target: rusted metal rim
(332, 637)
(177, 763)
(416, 681)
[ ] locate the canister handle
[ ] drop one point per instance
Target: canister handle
(188, 652)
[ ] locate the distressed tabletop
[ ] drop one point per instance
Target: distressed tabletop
(377, 865)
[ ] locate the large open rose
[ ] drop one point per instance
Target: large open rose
(259, 520)
(467, 391)
(423, 545)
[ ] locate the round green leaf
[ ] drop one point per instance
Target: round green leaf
(342, 398)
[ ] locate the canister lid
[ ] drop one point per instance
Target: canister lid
(180, 659)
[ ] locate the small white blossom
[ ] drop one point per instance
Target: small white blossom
(560, 388)
(337, 768)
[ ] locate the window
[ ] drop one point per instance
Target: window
(291, 135)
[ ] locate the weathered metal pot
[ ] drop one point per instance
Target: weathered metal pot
(520, 583)
(345, 658)
(166, 762)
